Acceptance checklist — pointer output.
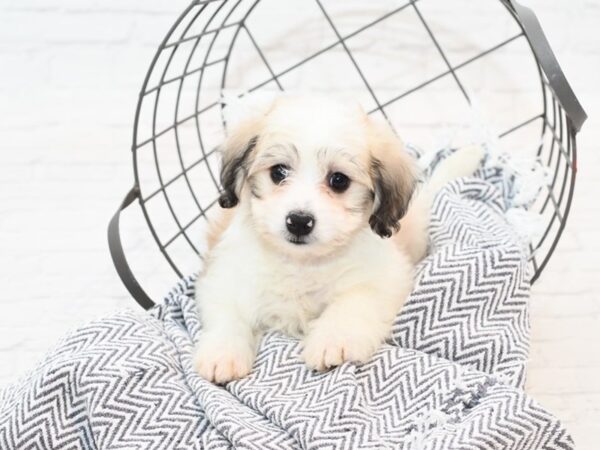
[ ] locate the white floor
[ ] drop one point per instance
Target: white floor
(69, 77)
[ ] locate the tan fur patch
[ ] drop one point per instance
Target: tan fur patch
(217, 226)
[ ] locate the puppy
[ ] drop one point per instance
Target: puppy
(312, 190)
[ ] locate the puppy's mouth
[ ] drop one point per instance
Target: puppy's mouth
(296, 240)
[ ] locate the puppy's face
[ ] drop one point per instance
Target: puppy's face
(313, 173)
(308, 197)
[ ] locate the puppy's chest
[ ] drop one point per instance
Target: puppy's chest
(293, 296)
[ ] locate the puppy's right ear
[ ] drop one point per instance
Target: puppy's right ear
(237, 153)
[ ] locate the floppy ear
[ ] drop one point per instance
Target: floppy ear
(394, 175)
(237, 155)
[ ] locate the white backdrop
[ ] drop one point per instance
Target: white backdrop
(70, 73)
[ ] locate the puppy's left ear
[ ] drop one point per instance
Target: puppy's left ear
(237, 155)
(394, 175)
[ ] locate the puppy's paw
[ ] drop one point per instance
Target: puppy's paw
(220, 359)
(325, 347)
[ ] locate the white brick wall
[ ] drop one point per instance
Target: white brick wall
(70, 72)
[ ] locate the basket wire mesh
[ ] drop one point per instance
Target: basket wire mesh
(180, 121)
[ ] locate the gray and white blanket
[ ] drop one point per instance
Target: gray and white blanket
(449, 378)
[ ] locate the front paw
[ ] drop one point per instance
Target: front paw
(220, 359)
(330, 346)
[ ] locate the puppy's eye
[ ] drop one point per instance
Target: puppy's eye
(339, 182)
(279, 173)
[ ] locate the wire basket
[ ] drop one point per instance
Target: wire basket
(413, 62)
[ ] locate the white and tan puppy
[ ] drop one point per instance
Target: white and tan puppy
(312, 187)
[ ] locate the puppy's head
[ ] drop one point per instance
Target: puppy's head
(313, 172)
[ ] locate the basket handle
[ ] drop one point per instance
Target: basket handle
(118, 256)
(547, 59)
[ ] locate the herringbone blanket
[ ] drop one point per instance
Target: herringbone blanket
(450, 377)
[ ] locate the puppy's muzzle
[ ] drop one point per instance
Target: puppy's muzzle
(299, 223)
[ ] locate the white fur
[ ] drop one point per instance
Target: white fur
(413, 235)
(342, 290)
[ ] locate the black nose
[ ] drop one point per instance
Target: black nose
(299, 223)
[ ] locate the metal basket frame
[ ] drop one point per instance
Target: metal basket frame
(561, 118)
